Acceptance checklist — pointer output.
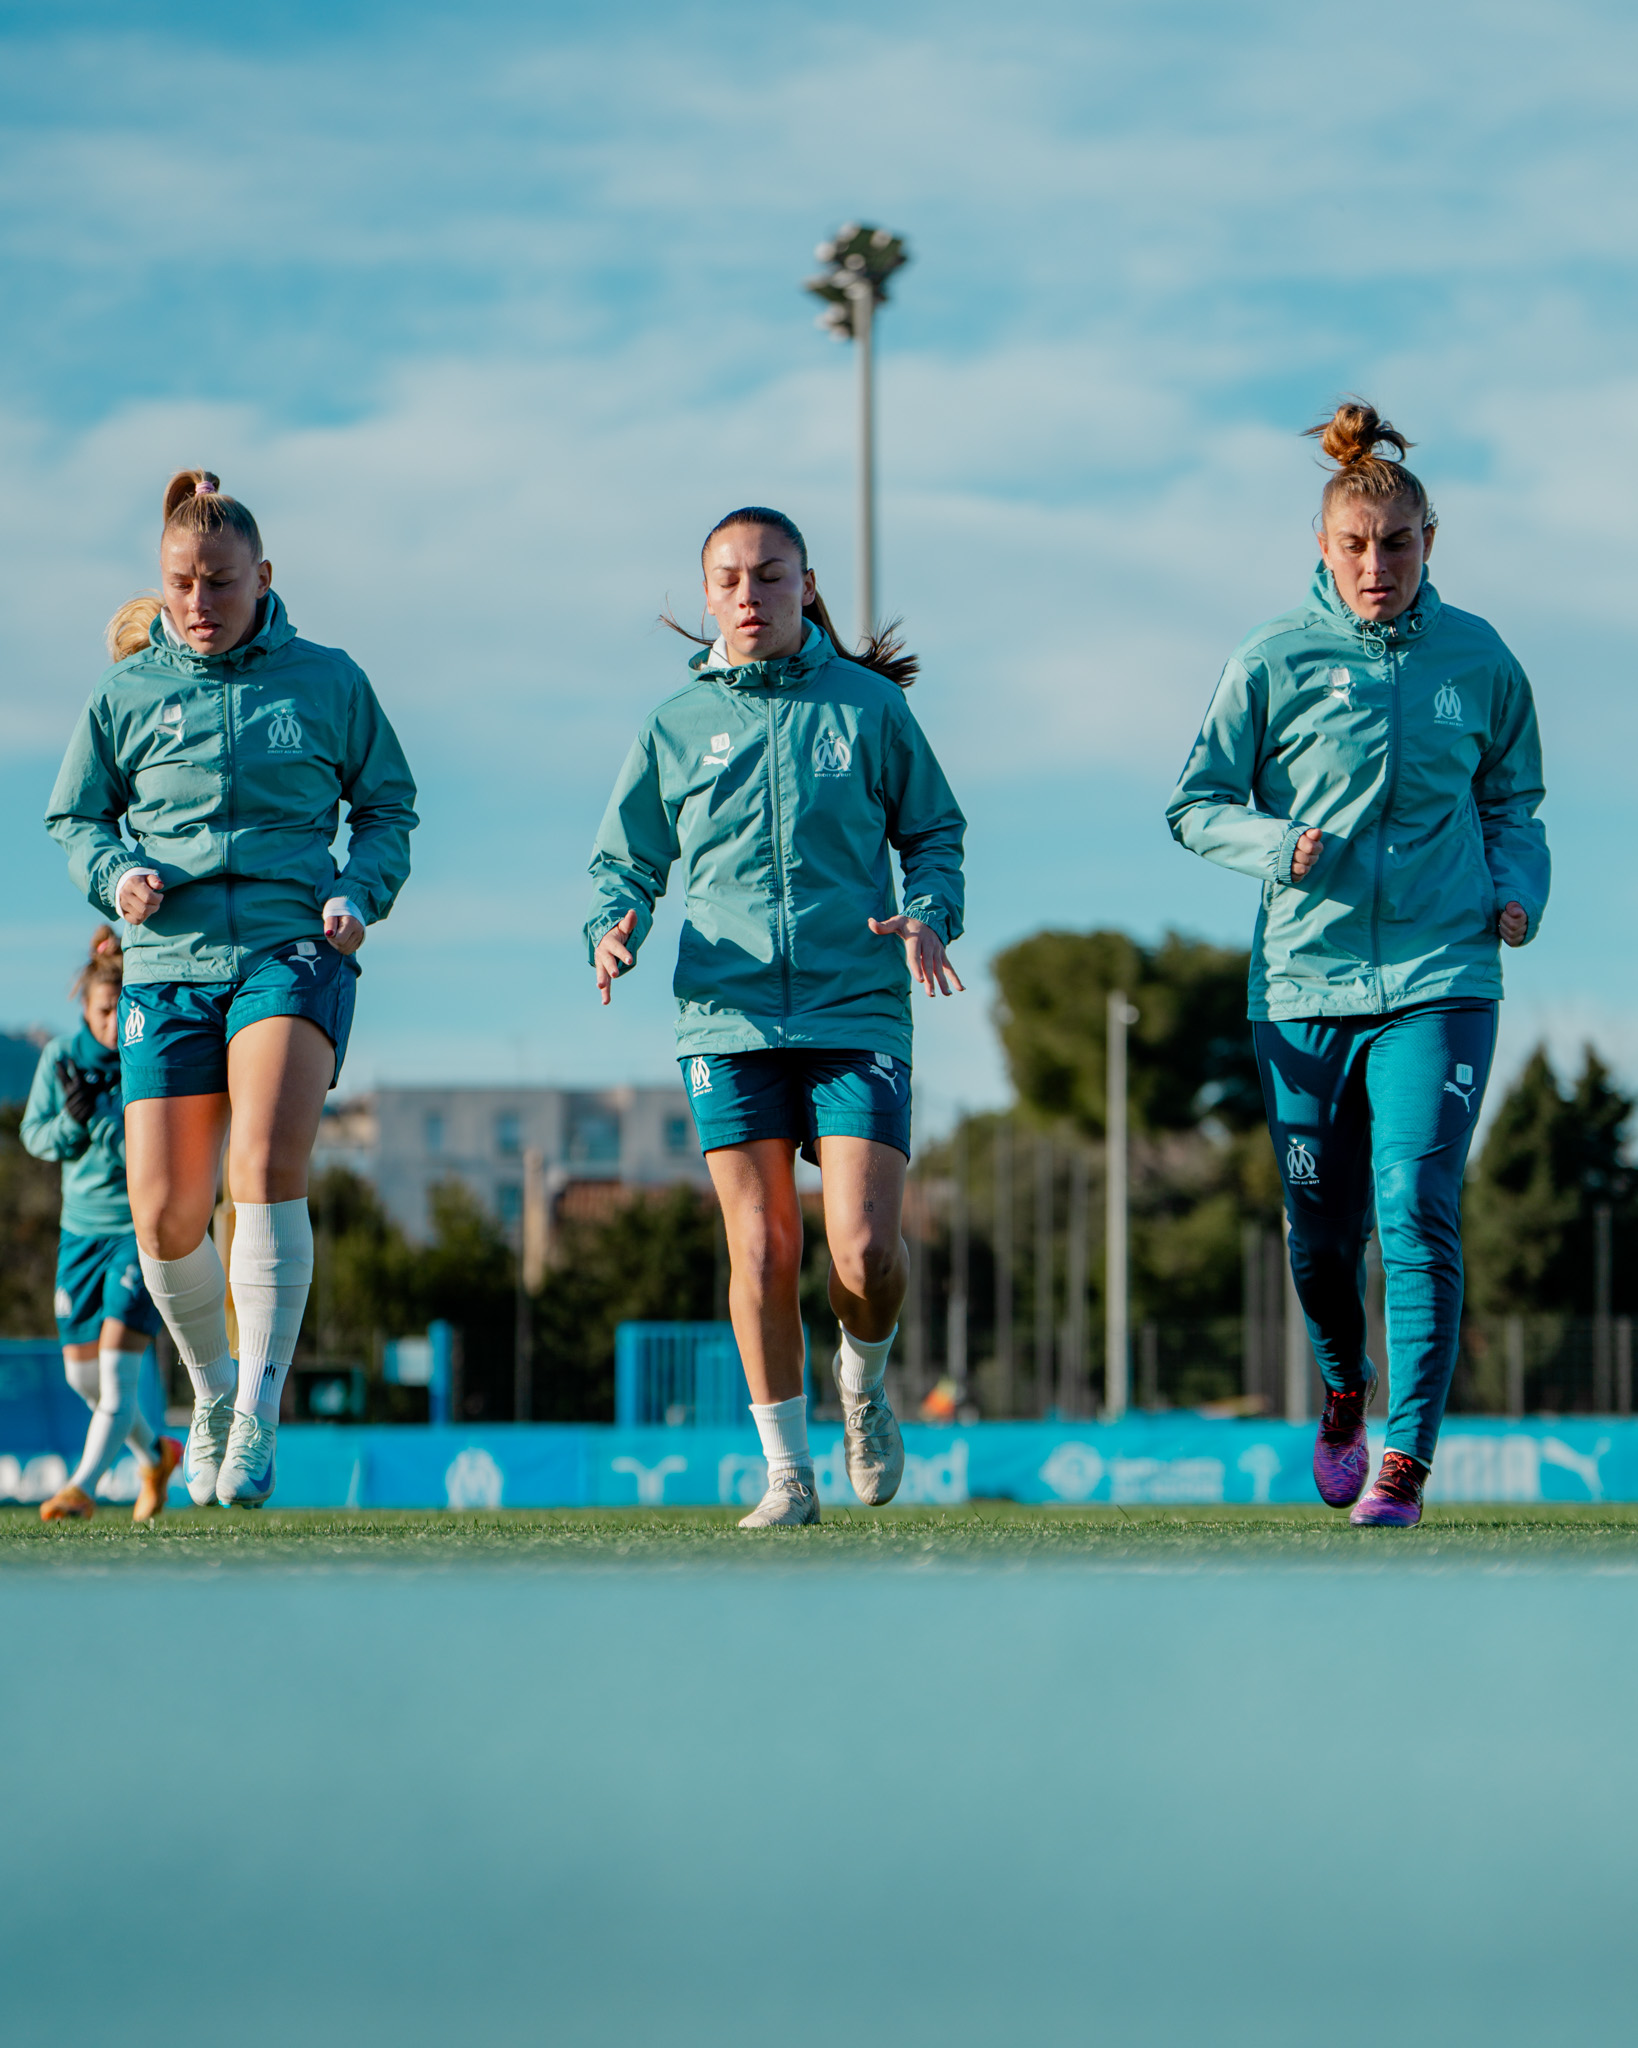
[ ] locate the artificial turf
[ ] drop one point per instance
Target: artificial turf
(985, 1532)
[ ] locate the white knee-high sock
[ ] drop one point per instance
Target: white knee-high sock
(85, 1377)
(783, 1428)
(864, 1366)
(111, 1419)
(272, 1271)
(191, 1294)
(140, 1435)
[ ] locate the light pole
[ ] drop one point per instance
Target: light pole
(1117, 1276)
(858, 261)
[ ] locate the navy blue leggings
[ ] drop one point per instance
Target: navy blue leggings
(1390, 1101)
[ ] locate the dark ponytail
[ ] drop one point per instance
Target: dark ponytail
(882, 652)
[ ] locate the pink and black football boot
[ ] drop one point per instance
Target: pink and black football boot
(1395, 1501)
(1341, 1460)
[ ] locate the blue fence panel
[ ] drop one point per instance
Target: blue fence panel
(686, 1374)
(42, 1422)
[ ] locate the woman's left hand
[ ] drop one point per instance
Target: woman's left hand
(1514, 924)
(346, 934)
(924, 950)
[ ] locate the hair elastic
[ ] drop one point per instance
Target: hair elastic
(204, 488)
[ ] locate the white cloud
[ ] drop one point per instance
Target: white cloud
(564, 330)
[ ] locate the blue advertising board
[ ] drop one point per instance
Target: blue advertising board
(1148, 1460)
(1156, 1459)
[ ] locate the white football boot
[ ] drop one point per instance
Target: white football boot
(206, 1447)
(789, 1503)
(875, 1449)
(247, 1475)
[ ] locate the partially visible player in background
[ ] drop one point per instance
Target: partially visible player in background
(225, 745)
(1371, 758)
(105, 1318)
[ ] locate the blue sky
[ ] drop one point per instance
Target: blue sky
(490, 315)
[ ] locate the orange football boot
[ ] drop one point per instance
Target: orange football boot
(150, 1501)
(67, 1504)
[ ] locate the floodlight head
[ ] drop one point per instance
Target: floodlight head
(860, 260)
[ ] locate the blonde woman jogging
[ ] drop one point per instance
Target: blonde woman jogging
(225, 746)
(1371, 757)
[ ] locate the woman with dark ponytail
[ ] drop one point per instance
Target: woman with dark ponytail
(1372, 759)
(783, 775)
(225, 747)
(105, 1318)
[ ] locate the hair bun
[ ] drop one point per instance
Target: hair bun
(1355, 431)
(190, 483)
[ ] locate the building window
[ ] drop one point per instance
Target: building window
(677, 1132)
(594, 1139)
(509, 1204)
(508, 1134)
(432, 1130)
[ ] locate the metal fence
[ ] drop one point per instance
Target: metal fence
(684, 1374)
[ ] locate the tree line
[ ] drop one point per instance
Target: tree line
(1203, 1175)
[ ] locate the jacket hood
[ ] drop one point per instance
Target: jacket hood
(274, 632)
(1410, 625)
(790, 672)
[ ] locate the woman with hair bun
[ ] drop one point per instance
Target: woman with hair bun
(225, 746)
(105, 1317)
(782, 775)
(1372, 759)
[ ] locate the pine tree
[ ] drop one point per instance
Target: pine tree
(1549, 1161)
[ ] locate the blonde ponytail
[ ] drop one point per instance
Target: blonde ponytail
(127, 631)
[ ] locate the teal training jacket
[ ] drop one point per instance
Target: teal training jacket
(95, 1203)
(1412, 746)
(780, 786)
(229, 773)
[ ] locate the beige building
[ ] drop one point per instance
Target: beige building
(513, 1147)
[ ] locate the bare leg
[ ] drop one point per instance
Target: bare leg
(279, 1072)
(864, 1215)
(756, 1185)
(173, 1154)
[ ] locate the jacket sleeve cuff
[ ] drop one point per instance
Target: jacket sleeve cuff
(1286, 853)
(925, 911)
(344, 906)
(113, 885)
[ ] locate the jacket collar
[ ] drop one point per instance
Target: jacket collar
(272, 634)
(1410, 625)
(88, 1052)
(790, 672)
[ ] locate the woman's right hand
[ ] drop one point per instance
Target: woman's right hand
(1306, 853)
(138, 895)
(612, 953)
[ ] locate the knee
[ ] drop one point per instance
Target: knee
(1318, 1240)
(768, 1256)
(868, 1265)
(260, 1171)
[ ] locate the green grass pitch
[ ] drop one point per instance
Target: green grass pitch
(986, 1532)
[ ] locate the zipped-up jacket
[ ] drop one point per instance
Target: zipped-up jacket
(1411, 745)
(781, 786)
(229, 772)
(95, 1203)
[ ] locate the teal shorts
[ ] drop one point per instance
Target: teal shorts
(805, 1096)
(174, 1035)
(99, 1278)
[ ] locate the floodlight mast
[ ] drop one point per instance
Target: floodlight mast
(859, 260)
